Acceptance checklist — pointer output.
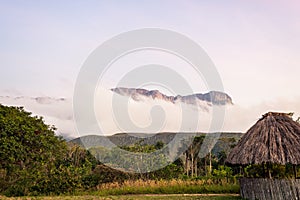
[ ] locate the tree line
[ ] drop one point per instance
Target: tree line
(34, 161)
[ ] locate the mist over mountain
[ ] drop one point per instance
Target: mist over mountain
(211, 98)
(58, 111)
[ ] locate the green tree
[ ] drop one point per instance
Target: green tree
(33, 160)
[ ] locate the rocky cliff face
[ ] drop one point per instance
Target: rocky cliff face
(213, 97)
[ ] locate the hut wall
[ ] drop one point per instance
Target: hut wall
(267, 189)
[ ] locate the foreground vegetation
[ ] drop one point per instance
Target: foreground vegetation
(35, 162)
(133, 197)
(166, 187)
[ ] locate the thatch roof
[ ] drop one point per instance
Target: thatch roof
(275, 138)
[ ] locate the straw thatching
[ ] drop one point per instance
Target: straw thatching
(275, 138)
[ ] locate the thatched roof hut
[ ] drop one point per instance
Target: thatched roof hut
(275, 138)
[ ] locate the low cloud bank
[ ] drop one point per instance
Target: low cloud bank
(116, 113)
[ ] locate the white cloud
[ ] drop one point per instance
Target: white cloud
(148, 115)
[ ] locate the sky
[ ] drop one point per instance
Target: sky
(254, 45)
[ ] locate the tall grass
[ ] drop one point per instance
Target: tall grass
(166, 187)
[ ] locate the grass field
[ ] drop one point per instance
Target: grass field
(151, 189)
(165, 187)
(133, 197)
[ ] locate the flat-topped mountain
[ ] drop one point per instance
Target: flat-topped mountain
(213, 97)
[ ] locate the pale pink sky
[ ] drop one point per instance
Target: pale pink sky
(255, 45)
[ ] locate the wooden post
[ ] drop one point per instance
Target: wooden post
(269, 172)
(295, 171)
(243, 171)
(265, 170)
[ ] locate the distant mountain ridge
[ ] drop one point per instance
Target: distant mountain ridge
(213, 97)
(39, 99)
(224, 142)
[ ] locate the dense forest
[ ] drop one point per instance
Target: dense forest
(34, 161)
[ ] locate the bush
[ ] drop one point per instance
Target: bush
(35, 161)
